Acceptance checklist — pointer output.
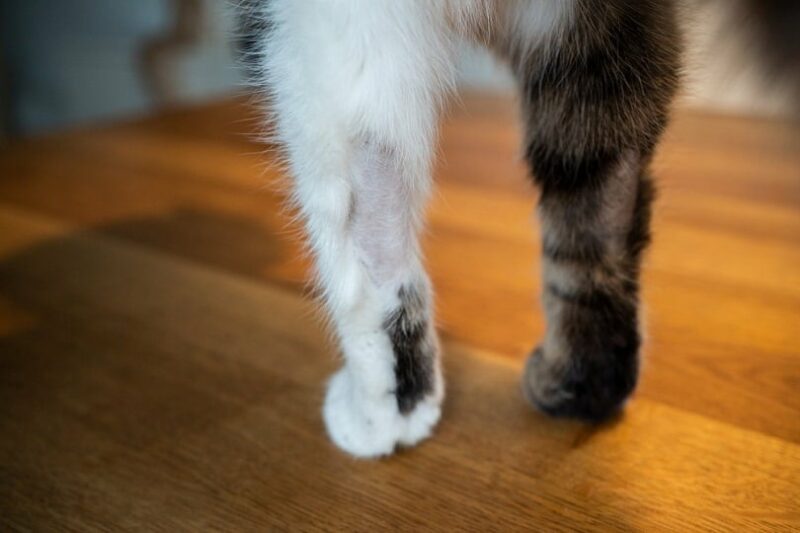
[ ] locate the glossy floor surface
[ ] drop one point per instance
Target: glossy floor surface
(161, 367)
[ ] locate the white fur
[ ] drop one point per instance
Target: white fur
(357, 87)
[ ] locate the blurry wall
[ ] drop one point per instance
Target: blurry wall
(76, 61)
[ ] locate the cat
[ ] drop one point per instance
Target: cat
(355, 88)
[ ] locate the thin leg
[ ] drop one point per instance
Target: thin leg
(595, 103)
(358, 123)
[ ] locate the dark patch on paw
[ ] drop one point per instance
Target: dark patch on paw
(407, 327)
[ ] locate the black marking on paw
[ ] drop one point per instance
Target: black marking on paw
(407, 327)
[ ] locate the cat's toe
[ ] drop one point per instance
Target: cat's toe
(587, 388)
(420, 422)
(363, 427)
(370, 426)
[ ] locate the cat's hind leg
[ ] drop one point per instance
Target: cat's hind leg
(390, 388)
(595, 104)
(355, 88)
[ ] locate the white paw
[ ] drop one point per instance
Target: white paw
(361, 427)
(368, 426)
(420, 422)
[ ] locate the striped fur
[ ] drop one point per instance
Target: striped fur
(594, 109)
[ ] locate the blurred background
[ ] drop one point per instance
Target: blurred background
(74, 62)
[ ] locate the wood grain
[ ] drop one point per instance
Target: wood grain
(161, 369)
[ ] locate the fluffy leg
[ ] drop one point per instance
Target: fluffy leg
(355, 88)
(595, 103)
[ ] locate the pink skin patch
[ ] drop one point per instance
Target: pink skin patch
(381, 217)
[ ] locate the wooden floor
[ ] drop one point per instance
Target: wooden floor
(160, 368)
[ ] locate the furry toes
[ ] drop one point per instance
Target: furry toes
(582, 388)
(360, 427)
(420, 422)
(368, 426)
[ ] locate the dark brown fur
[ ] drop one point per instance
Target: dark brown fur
(595, 105)
(409, 331)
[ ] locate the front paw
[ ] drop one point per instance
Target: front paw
(587, 388)
(369, 426)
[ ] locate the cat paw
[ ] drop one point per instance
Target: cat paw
(420, 422)
(587, 389)
(361, 427)
(371, 427)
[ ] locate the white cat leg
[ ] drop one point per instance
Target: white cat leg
(355, 87)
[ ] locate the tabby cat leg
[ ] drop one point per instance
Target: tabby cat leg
(595, 105)
(592, 237)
